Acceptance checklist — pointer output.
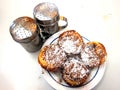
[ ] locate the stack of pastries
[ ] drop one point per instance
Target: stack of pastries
(73, 57)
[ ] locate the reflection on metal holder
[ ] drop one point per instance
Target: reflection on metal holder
(64, 19)
(24, 31)
(47, 18)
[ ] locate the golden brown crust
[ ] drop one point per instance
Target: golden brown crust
(75, 83)
(75, 73)
(88, 56)
(51, 57)
(70, 33)
(100, 51)
(71, 42)
(41, 58)
(94, 54)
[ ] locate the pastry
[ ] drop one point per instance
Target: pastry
(75, 73)
(51, 57)
(72, 58)
(93, 54)
(71, 42)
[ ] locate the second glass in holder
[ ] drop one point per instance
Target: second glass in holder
(47, 17)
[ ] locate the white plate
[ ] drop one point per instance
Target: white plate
(54, 79)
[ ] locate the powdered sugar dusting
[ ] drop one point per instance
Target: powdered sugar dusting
(54, 55)
(75, 69)
(74, 56)
(70, 45)
(89, 56)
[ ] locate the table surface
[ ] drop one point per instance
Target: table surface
(98, 20)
